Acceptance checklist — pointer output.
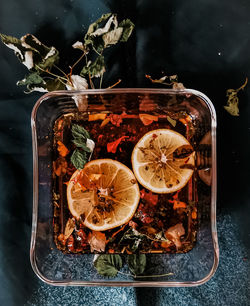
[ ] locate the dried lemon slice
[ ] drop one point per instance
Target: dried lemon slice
(163, 161)
(105, 194)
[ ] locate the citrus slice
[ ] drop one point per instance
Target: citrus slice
(163, 161)
(105, 194)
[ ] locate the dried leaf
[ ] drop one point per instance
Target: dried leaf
(178, 204)
(147, 119)
(90, 144)
(232, 106)
(62, 149)
(97, 241)
(94, 69)
(79, 45)
(171, 121)
(105, 122)
(174, 233)
(94, 117)
(77, 83)
(128, 27)
(69, 228)
(60, 166)
(112, 37)
(112, 146)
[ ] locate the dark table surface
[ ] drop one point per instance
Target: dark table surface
(205, 42)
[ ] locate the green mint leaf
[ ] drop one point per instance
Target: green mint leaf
(79, 131)
(95, 69)
(78, 158)
(128, 28)
(80, 144)
(108, 265)
(137, 263)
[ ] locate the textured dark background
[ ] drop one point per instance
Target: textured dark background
(205, 42)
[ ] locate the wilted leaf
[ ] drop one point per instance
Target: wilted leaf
(100, 116)
(32, 81)
(95, 25)
(95, 69)
(171, 121)
(112, 146)
(77, 83)
(93, 36)
(69, 228)
(112, 37)
(233, 101)
(24, 53)
(137, 263)
(54, 84)
(79, 45)
(108, 265)
(128, 27)
(147, 119)
(63, 151)
(97, 241)
(174, 234)
(90, 144)
(31, 52)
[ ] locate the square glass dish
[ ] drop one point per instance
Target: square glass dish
(185, 111)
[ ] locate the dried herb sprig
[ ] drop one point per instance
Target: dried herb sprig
(233, 101)
(42, 61)
(171, 80)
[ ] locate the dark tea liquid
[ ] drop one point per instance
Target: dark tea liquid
(115, 136)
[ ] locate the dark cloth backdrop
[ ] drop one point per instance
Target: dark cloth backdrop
(205, 42)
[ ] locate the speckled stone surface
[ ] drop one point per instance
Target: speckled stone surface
(205, 42)
(229, 286)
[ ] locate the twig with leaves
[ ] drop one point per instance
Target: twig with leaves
(42, 61)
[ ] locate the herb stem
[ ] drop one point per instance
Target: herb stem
(101, 78)
(55, 75)
(58, 68)
(118, 82)
(90, 80)
(244, 85)
(79, 59)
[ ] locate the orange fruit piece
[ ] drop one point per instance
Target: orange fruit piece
(156, 164)
(110, 195)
